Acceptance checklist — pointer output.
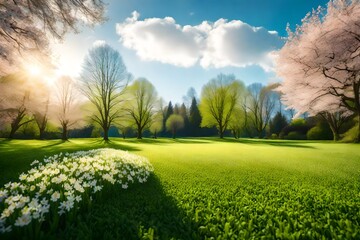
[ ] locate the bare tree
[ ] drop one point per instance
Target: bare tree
(26, 25)
(17, 102)
(104, 78)
(142, 104)
(260, 105)
(41, 118)
(219, 98)
(66, 105)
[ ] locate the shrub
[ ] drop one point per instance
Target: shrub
(319, 132)
(351, 134)
(274, 136)
(298, 122)
(295, 136)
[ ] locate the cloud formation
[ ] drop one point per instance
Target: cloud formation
(218, 44)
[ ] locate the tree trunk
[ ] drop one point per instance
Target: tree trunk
(335, 132)
(12, 132)
(139, 133)
(155, 135)
(357, 140)
(42, 133)
(64, 136)
(336, 136)
(174, 133)
(221, 131)
(106, 133)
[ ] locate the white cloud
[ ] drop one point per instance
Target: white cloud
(98, 43)
(218, 44)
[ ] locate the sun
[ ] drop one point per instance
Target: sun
(34, 70)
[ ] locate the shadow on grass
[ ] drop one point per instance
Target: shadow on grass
(100, 143)
(165, 141)
(55, 143)
(277, 143)
(132, 214)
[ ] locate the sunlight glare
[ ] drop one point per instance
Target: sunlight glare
(34, 70)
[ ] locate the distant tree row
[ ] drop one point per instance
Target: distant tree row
(133, 107)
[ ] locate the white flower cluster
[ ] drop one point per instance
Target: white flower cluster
(64, 180)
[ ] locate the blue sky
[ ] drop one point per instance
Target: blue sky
(169, 43)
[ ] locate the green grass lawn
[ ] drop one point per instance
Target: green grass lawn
(217, 189)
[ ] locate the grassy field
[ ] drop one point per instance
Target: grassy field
(217, 189)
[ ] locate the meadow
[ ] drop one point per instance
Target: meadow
(207, 188)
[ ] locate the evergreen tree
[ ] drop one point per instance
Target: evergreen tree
(169, 111)
(278, 123)
(183, 112)
(194, 118)
(176, 109)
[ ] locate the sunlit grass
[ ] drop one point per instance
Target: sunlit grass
(206, 187)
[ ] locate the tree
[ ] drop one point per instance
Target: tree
(260, 106)
(219, 98)
(320, 61)
(142, 104)
(236, 124)
(157, 124)
(278, 123)
(174, 123)
(104, 78)
(169, 111)
(41, 118)
(194, 118)
(335, 120)
(190, 95)
(18, 113)
(66, 104)
(25, 26)
(17, 102)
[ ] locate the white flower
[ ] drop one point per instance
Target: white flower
(124, 186)
(3, 194)
(34, 204)
(34, 162)
(78, 187)
(22, 177)
(25, 210)
(78, 198)
(55, 196)
(23, 220)
(5, 229)
(97, 188)
(7, 212)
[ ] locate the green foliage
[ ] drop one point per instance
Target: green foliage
(219, 98)
(194, 118)
(298, 122)
(320, 132)
(274, 136)
(351, 134)
(216, 189)
(278, 123)
(174, 123)
(295, 136)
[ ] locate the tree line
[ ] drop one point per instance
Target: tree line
(107, 97)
